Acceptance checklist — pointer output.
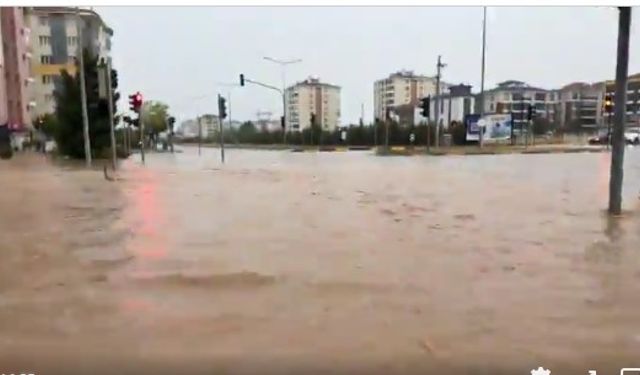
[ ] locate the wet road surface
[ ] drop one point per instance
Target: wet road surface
(334, 261)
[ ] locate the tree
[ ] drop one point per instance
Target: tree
(68, 129)
(154, 116)
(47, 124)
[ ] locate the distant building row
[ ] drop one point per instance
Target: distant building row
(38, 43)
(574, 106)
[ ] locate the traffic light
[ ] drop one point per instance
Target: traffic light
(424, 106)
(135, 102)
(313, 119)
(608, 103)
(222, 107)
(241, 79)
(171, 121)
(282, 122)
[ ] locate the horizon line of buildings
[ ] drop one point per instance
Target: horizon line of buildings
(575, 106)
(38, 43)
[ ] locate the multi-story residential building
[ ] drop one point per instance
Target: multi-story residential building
(453, 105)
(55, 41)
(515, 97)
(4, 115)
(312, 97)
(580, 106)
(206, 126)
(633, 101)
(401, 92)
(16, 80)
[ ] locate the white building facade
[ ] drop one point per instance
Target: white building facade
(402, 89)
(312, 97)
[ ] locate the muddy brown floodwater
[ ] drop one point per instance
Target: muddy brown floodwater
(282, 262)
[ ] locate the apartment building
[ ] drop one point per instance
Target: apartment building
(515, 97)
(55, 41)
(401, 92)
(312, 97)
(453, 105)
(15, 78)
(633, 101)
(205, 126)
(580, 106)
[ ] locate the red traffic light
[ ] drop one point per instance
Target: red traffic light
(135, 102)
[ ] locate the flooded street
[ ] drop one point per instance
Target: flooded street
(333, 261)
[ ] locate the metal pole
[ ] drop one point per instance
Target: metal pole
(617, 152)
(229, 109)
(437, 102)
(609, 140)
(199, 136)
(386, 135)
(113, 132)
(221, 132)
(83, 92)
(141, 124)
(484, 43)
(284, 116)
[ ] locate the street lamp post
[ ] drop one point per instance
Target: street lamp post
(283, 64)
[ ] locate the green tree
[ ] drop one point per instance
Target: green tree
(47, 124)
(68, 131)
(154, 116)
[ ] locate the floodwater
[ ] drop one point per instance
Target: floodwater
(282, 262)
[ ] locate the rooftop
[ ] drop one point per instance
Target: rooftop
(72, 10)
(314, 81)
(513, 85)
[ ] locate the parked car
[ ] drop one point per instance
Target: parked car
(632, 136)
(602, 138)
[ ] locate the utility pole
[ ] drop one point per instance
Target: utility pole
(199, 136)
(112, 126)
(141, 124)
(83, 91)
(229, 110)
(283, 64)
(221, 125)
(484, 43)
(437, 100)
(620, 109)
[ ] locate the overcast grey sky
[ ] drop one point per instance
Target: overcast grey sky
(175, 54)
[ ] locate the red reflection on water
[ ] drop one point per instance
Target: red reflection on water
(150, 240)
(135, 305)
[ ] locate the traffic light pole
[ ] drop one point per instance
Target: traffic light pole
(620, 108)
(284, 104)
(437, 101)
(221, 131)
(83, 93)
(112, 126)
(141, 124)
(484, 44)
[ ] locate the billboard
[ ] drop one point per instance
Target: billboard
(495, 128)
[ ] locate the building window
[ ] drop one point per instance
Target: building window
(45, 59)
(46, 79)
(540, 97)
(44, 40)
(43, 21)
